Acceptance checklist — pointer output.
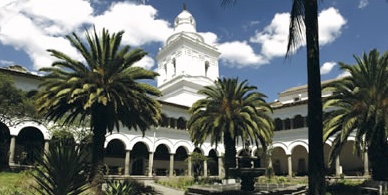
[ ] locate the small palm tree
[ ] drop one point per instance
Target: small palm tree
(231, 110)
(359, 105)
(128, 187)
(103, 88)
(63, 170)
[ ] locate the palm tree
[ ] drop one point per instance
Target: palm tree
(359, 106)
(304, 15)
(102, 88)
(231, 110)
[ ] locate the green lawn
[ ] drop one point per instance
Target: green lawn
(8, 179)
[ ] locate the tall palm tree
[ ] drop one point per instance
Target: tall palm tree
(359, 106)
(231, 110)
(102, 88)
(304, 15)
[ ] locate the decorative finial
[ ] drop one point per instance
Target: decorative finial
(184, 6)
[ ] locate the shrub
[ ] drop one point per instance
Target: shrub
(62, 171)
(128, 187)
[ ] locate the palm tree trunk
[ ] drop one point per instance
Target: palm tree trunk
(378, 156)
(315, 127)
(98, 125)
(230, 153)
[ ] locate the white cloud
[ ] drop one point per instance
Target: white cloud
(327, 67)
(210, 38)
(240, 54)
(6, 62)
(37, 25)
(138, 21)
(331, 23)
(146, 62)
(44, 28)
(344, 74)
(363, 3)
(274, 38)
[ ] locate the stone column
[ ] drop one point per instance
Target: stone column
(150, 163)
(12, 146)
(338, 168)
(220, 167)
(189, 166)
(289, 158)
(127, 163)
(366, 164)
(171, 171)
(205, 168)
(46, 146)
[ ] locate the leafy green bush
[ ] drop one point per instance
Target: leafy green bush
(11, 191)
(128, 187)
(62, 171)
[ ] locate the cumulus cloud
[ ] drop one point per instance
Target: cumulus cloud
(6, 62)
(327, 67)
(273, 38)
(138, 21)
(146, 62)
(363, 3)
(240, 54)
(344, 74)
(331, 23)
(44, 28)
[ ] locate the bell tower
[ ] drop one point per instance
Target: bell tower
(186, 64)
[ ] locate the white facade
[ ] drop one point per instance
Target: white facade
(185, 65)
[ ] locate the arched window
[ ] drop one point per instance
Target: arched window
(278, 124)
(206, 67)
(298, 121)
(287, 124)
(181, 123)
(164, 121)
(174, 65)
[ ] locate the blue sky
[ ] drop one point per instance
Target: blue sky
(250, 34)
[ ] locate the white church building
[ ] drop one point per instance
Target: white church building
(185, 64)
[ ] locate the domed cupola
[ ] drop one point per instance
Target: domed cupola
(184, 23)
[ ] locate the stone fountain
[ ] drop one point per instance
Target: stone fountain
(246, 172)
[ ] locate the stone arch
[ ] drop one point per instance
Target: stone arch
(199, 150)
(25, 124)
(139, 158)
(5, 139)
(280, 145)
(162, 160)
(295, 143)
(299, 158)
(118, 136)
(29, 145)
(180, 165)
(351, 162)
(185, 144)
(279, 160)
(166, 142)
(260, 155)
(145, 140)
(114, 156)
(212, 162)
